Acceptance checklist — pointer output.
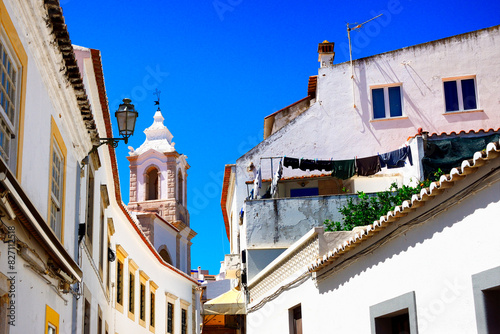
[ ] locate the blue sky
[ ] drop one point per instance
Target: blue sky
(223, 65)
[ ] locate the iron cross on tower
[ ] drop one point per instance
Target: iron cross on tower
(157, 102)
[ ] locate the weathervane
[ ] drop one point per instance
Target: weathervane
(157, 102)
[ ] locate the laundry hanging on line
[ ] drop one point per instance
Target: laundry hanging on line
(344, 169)
(257, 184)
(368, 166)
(396, 158)
(276, 177)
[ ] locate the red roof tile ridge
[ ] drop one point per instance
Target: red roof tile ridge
(471, 131)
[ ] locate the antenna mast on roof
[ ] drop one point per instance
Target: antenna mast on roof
(356, 26)
(157, 102)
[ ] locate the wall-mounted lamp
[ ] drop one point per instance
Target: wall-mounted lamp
(126, 116)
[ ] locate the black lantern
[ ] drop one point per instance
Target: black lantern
(125, 116)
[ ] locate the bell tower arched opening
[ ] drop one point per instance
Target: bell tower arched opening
(180, 188)
(152, 184)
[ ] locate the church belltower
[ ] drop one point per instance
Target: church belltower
(158, 175)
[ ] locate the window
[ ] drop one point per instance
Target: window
(119, 282)
(460, 95)
(152, 305)
(56, 181)
(131, 292)
(56, 190)
(86, 318)
(142, 312)
(165, 256)
(99, 320)
(51, 329)
(110, 255)
(152, 184)
(142, 298)
(9, 102)
(170, 318)
(121, 254)
(180, 191)
(171, 300)
(295, 316)
(132, 267)
(184, 321)
(386, 102)
(395, 316)
(107, 267)
(90, 207)
(152, 308)
(51, 321)
(101, 243)
(486, 290)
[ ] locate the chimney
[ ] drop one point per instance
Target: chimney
(326, 54)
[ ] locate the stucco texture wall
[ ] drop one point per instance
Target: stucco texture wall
(436, 259)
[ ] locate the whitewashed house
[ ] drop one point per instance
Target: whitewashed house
(47, 131)
(129, 285)
(73, 260)
(421, 97)
(426, 267)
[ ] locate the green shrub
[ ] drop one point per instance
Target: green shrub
(366, 209)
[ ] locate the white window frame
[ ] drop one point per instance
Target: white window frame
(387, 105)
(459, 93)
(397, 304)
(56, 200)
(9, 127)
(483, 281)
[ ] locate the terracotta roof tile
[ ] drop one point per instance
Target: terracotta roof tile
(311, 86)
(223, 200)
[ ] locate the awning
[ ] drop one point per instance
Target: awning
(231, 302)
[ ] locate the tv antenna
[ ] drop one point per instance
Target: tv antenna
(356, 27)
(157, 102)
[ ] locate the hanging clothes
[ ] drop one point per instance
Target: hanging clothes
(276, 177)
(309, 164)
(306, 164)
(396, 158)
(257, 184)
(326, 165)
(291, 162)
(368, 166)
(343, 169)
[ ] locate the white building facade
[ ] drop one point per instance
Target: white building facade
(415, 97)
(337, 122)
(423, 268)
(73, 260)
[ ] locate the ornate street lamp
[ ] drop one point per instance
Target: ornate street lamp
(126, 116)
